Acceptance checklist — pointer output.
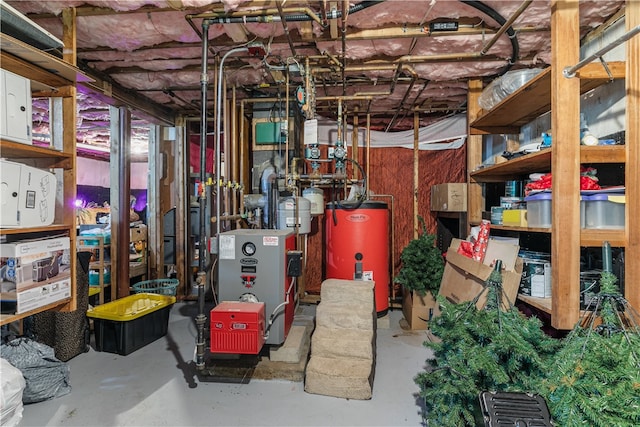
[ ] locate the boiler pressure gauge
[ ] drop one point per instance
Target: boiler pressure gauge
(249, 249)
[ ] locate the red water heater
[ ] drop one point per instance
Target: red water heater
(357, 246)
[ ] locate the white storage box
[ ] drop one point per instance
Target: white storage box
(539, 210)
(38, 295)
(28, 195)
(604, 210)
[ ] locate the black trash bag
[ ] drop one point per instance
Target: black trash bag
(45, 376)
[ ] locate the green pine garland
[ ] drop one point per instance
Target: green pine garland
(422, 264)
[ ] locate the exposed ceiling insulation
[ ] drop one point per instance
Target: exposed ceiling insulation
(398, 56)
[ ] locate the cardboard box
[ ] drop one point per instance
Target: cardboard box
(450, 197)
(505, 251)
(463, 279)
(38, 295)
(514, 217)
(418, 310)
(138, 234)
(35, 262)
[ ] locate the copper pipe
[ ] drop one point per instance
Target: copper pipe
(368, 147)
(242, 156)
(286, 138)
(234, 150)
(286, 28)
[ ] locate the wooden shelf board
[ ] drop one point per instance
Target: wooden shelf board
(57, 71)
(512, 169)
(10, 318)
(541, 162)
(534, 98)
(543, 304)
(45, 157)
(521, 229)
(603, 154)
(29, 230)
(594, 237)
(97, 265)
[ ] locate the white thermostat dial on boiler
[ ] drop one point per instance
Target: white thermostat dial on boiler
(249, 249)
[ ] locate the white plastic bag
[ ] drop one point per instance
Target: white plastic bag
(13, 385)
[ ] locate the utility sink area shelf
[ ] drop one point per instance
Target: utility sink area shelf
(534, 99)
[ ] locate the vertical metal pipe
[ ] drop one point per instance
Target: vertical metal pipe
(202, 274)
(286, 137)
(368, 146)
(218, 130)
(242, 154)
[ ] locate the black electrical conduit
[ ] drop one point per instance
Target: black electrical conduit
(290, 18)
(515, 47)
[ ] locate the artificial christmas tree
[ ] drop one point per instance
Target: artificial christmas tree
(420, 276)
(480, 350)
(595, 379)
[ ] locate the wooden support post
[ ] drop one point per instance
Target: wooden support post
(565, 164)
(475, 196)
(632, 169)
(416, 172)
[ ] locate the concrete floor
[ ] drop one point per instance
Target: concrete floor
(157, 386)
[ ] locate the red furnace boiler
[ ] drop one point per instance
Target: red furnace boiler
(257, 272)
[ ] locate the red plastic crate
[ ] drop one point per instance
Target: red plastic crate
(237, 327)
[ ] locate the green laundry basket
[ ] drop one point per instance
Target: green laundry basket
(157, 286)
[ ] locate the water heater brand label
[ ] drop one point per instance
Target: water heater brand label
(270, 240)
(238, 326)
(359, 217)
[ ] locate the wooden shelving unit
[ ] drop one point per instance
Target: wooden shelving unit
(546, 92)
(101, 263)
(51, 77)
(534, 99)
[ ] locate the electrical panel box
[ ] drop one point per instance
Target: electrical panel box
(15, 108)
(28, 195)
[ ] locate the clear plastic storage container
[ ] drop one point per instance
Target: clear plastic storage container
(539, 210)
(604, 211)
